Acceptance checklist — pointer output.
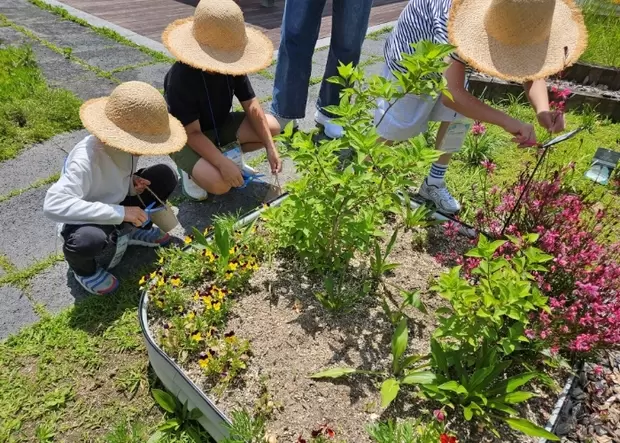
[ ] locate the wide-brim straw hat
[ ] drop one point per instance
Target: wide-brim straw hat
(134, 119)
(517, 40)
(216, 39)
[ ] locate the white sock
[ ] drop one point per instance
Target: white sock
(437, 174)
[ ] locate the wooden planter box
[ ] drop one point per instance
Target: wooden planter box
(594, 75)
(495, 89)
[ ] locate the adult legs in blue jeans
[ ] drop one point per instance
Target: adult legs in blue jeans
(300, 31)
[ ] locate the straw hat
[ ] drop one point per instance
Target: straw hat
(134, 119)
(216, 39)
(517, 40)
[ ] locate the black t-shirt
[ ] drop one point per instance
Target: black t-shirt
(193, 95)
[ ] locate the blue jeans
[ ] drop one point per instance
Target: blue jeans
(300, 31)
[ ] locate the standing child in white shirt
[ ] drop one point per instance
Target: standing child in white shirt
(100, 189)
(517, 40)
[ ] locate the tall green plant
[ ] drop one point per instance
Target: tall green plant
(336, 210)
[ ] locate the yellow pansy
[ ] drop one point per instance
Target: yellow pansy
(196, 296)
(160, 282)
(191, 315)
(196, 336)
(232, 250)
(153, 275)
(142, 281)
(188, 239)
(228, 275)
(175, 281)
(233, 266)
(216, 306)
(161, 261)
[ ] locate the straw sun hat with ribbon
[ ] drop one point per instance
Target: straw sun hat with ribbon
(134, 119)
(517, 40)
(217, 39)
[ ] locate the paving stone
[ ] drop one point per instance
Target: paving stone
(27, 236)
(374, 69)
(96, 49)
(15, 311)
(9, 36)
(373, 47)
(56, 288)
(37, 162)
(60, 72)
(263, 87)
(151, 74)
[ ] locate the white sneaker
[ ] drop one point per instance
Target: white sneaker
(190, 188)
(440, 196)
(332, 130)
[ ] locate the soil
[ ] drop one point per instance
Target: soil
(292, 336)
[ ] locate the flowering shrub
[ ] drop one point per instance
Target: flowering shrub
(583, 281)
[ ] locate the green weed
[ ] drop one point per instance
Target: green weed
(603, 33)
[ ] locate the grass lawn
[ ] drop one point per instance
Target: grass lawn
(30, 111)
(604, 35)
(79, 376)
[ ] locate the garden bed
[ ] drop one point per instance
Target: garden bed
(292, 336)
(589, 74)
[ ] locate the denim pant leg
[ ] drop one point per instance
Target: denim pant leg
(300, 30)
(349, 26)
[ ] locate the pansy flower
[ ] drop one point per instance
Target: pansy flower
(196, 296)
(188, 239)
(196, 335)
(159, 302)
(191, 315)
(228, 275)
(181, 309)
(230, 337)
(217, 306)
(142, 281)
(161, 261)
(232, 250)
(233, 266)
(205, 357)
(175, 280)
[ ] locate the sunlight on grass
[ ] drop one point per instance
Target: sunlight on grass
(603, 34)
(30, 110)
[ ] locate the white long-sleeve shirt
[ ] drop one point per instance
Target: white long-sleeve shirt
(95, 179)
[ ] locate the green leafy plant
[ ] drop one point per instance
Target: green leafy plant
(479, 385)
(496, 302)
(490, 309)
(180, 420)
(336, 210)
(409, 299)
(412, 431)
(246, 428)
(406, 369)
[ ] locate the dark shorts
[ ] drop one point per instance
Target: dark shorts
(187, 158)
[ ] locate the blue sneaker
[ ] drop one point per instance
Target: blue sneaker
(100, 283)
(151, 238)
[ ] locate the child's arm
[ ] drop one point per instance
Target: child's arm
(466, 104)
(536, 92)
(64, 200)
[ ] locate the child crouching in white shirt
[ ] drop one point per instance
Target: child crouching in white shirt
(100, 189)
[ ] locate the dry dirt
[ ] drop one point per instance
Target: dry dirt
(293, 336)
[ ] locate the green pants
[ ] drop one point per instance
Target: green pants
(187, 158)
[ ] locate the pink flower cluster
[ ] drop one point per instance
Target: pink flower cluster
(560, 96)
(478, 128)
(583, 279)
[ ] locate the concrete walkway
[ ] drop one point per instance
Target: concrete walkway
(33, 280)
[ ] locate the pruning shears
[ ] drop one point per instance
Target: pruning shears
(248, 178)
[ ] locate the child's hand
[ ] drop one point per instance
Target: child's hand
(140, 184)
(274, 160)
(135, 215)
(552, 121)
